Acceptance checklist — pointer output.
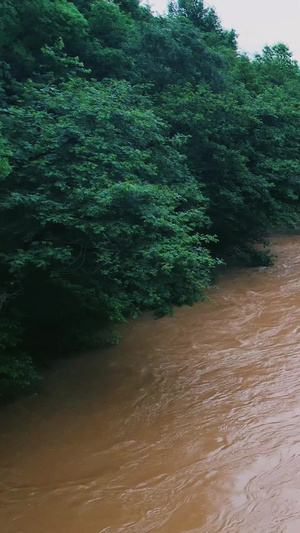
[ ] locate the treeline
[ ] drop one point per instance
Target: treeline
(136, 150)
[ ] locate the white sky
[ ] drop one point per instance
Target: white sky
(257, 22)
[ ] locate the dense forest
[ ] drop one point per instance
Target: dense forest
(138, 152)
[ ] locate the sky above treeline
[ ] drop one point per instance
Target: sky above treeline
(257, 22)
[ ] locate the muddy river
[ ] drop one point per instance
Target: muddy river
(191, 425)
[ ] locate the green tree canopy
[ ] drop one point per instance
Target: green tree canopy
(135, 151)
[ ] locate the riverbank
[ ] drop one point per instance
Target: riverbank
(190, 425)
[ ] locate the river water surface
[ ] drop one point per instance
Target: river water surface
(191, 426)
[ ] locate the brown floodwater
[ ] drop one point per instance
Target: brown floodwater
(191, 425)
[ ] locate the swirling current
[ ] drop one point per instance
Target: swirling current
(190, 425)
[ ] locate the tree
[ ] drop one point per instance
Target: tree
(100, 216)
(134, 151)
(27, 26)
